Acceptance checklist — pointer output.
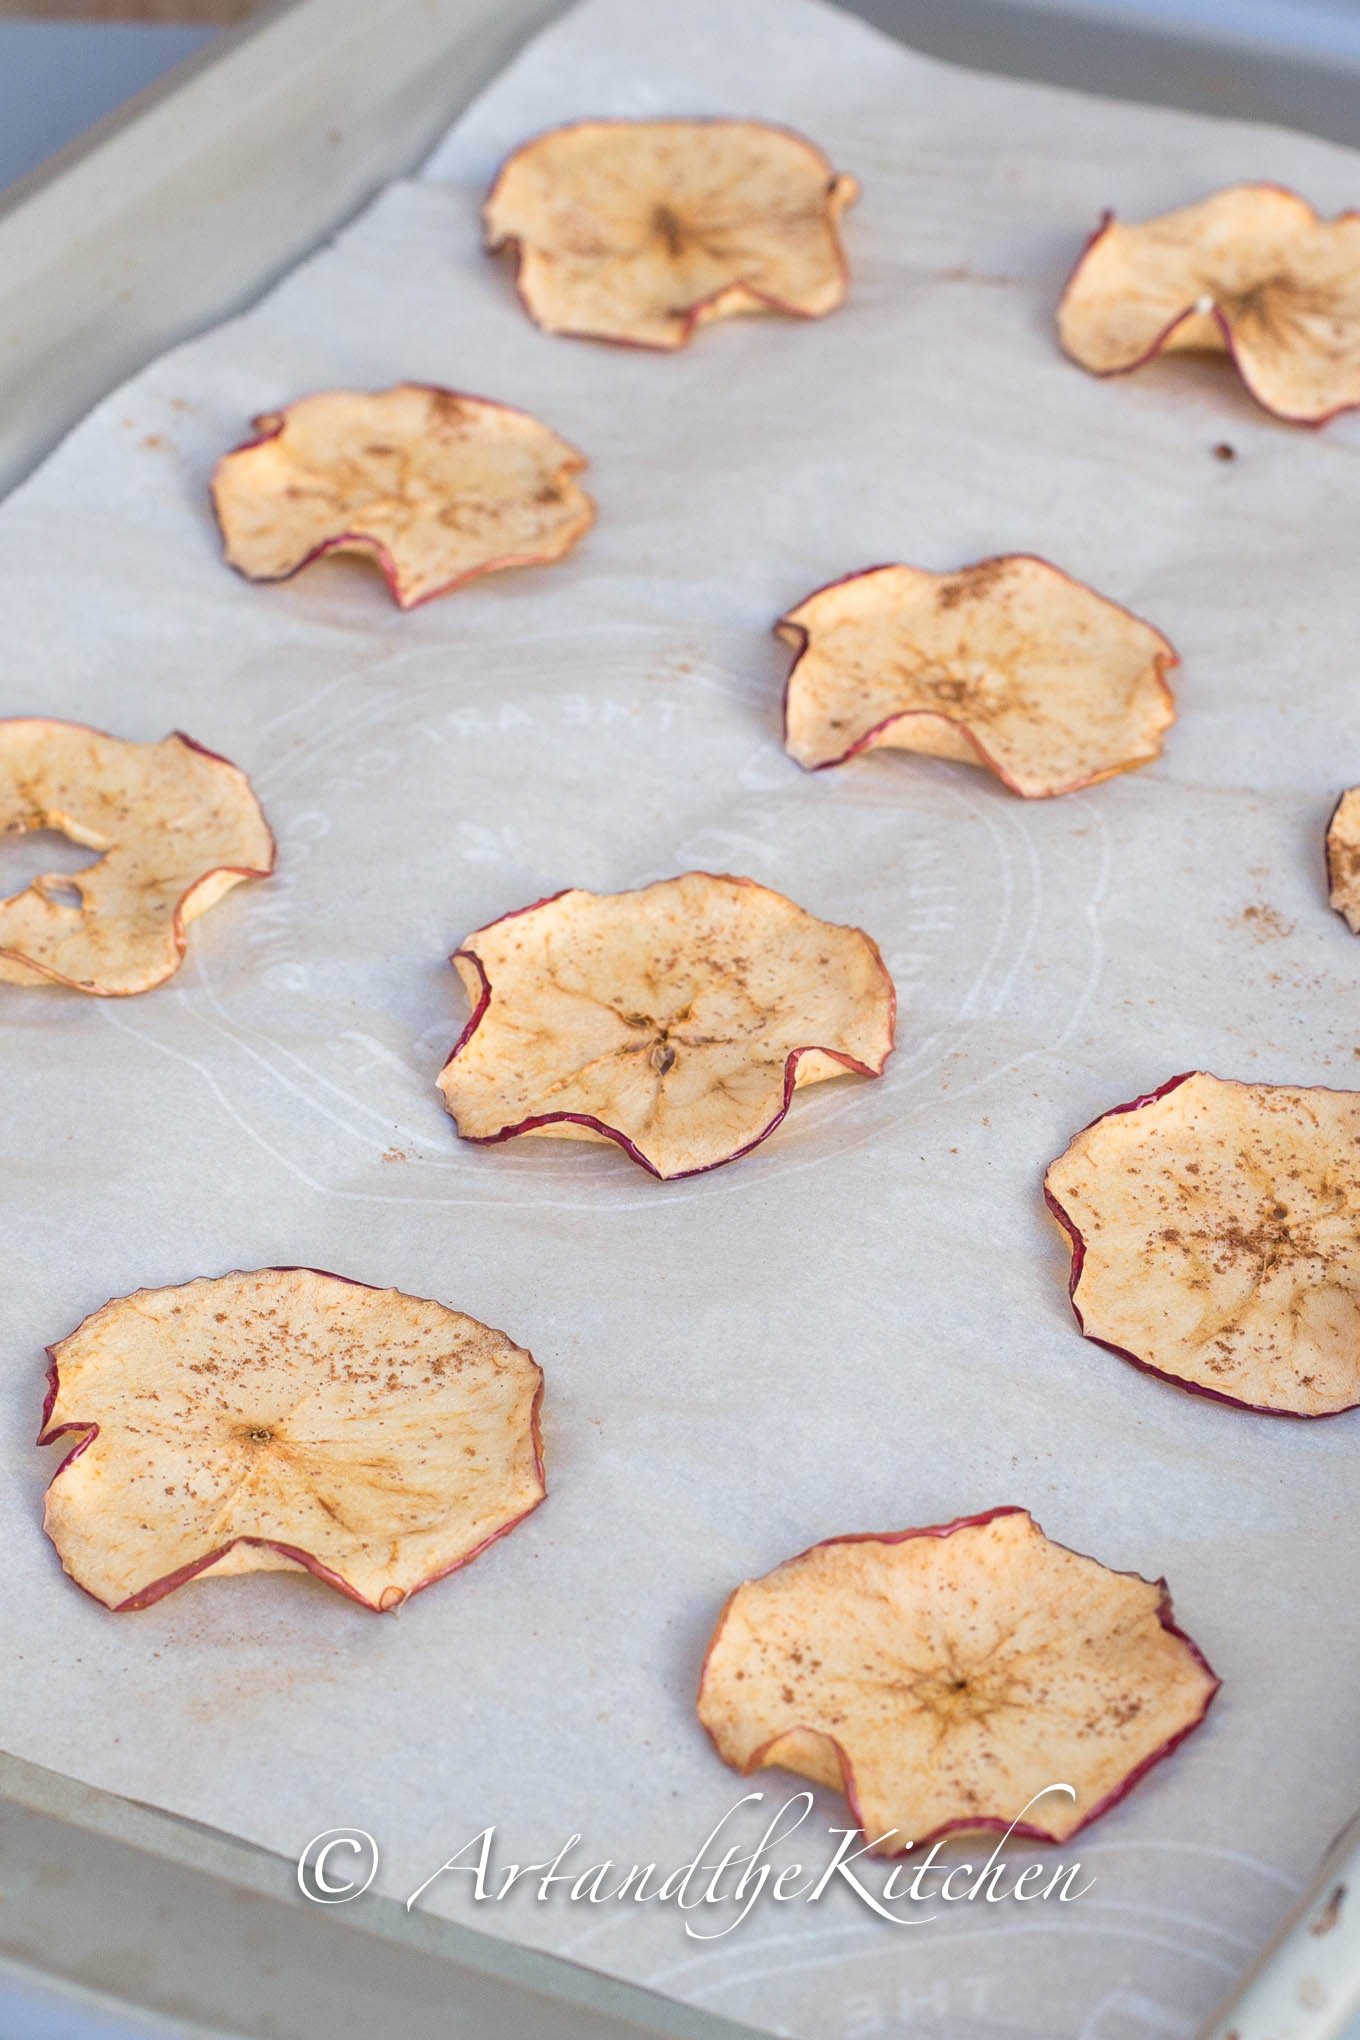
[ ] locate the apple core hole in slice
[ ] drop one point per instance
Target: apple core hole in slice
(27, 854)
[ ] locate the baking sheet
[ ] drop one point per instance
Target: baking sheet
(862, 1325)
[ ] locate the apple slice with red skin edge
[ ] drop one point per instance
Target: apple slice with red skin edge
(1343, 859)
(1215, 1237)
(639, 231)
(1253, 272)
(676, 1020)
(947, 1678)
(1009, 663)
(178, 827)
(279, 1419)
(438, 487)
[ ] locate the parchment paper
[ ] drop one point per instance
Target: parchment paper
(863, 1325)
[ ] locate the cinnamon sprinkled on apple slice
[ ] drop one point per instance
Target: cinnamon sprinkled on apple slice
(177, 827)
(437, 487)
(1253, 272)
(641, 230)
(1215, 1235)
(1009, 663)
(286, 1418)
(971, 1675)
(676, 1021)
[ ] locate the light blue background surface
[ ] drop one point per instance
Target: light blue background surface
(30, 2011)
(58, 77)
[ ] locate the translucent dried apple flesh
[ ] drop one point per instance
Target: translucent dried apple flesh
(176, 826)
(280, 1419)
(436, 486)
(1009, 664)
(675, 1021)
(640, 231)
(1253, 272)
(949, 1679)
(1343, 858)
(1215, 1235)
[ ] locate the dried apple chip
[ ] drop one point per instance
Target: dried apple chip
(1253, 272)
(285, 1419)
(676, 1020)
(948, 1679)
(177, 825)
(640, 230)
(436, 486)
(1009, 664)
(1343, 858)
(1215, 1236)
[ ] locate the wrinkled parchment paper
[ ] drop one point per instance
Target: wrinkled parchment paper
(864, 1324)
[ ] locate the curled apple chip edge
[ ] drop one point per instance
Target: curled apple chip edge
(493, 1092)
(791, 1664)
(1201, 1350)
(894, 631)
(338, 471)
(164, 1486)
(1253, 272)
(661, 277)
(178, 825)
(1343, 859)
